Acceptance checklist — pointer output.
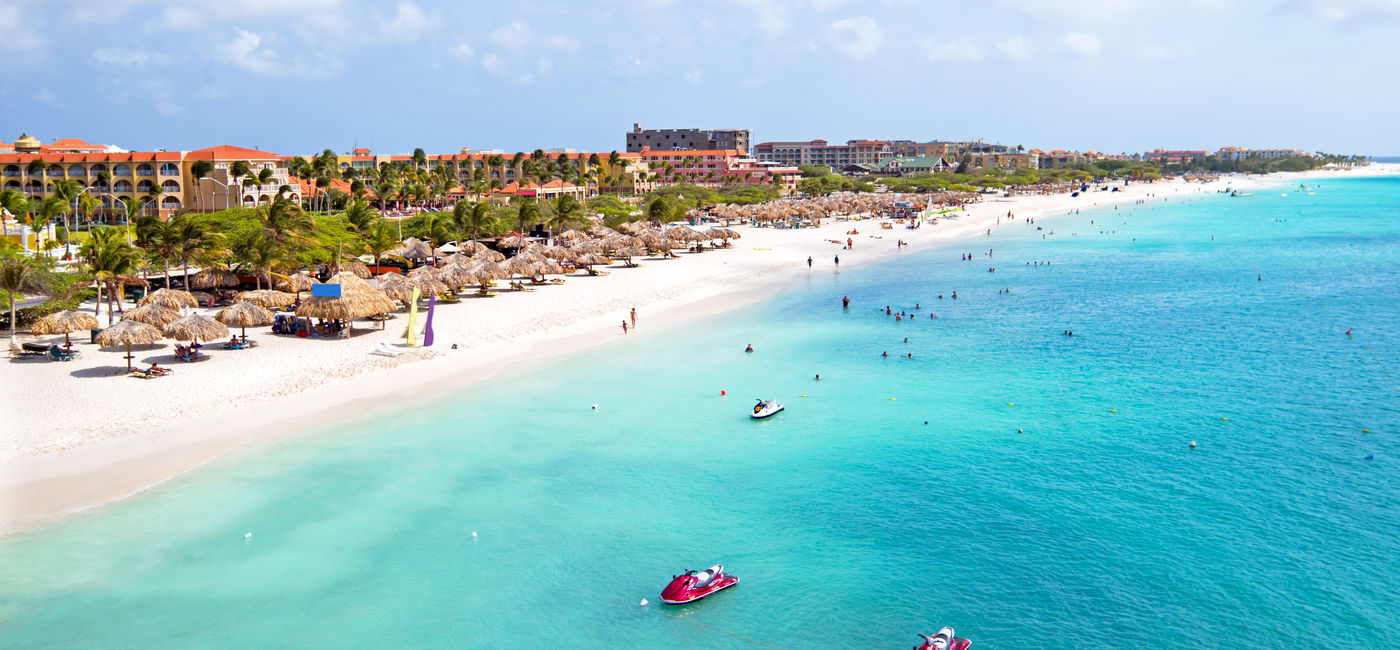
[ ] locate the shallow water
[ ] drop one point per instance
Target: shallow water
(853, 519)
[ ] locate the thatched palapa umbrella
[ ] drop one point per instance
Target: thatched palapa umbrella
(488, 255)
(267, 298)
(629, 252)
(169, 299)
(128, 333)
(515, 241)
(571, 236)
(413, 248)
(194, 327)
(426, 280)
(214, 277)
(587, 260)
(154, 315)
(64, 322)
(244, 314)
(357, 267)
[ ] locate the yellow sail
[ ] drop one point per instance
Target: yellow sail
(411, 335)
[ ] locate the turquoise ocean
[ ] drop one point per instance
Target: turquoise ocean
(1032, 489)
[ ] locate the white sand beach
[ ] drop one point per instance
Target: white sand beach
(81, 433)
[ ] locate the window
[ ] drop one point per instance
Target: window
(145, 169)
(170, 186)
(76, 170)
(122, 186)
(97, 169)
(55, 170)
(169, 169)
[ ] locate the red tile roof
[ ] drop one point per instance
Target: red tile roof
(229, 152)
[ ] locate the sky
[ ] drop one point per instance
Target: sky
(300, 76)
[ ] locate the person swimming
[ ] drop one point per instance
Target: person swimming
(885, 354)
(818, 377)
(748, 348)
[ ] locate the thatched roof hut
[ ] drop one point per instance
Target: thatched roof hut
(357, 300)
(64, 322)
(413, 248)
(297, 283)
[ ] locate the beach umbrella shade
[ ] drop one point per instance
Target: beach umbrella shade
(457, 259)
(472, 247)
(169, 299)
(396, 289)
(243, 314)
(297, 283)
(601, 231)
(194, 328)
(487, 272)
(154, 315)
(64, 322)
(214, 277)
(558, 253)
(128, 333)
(628, 252)
(357, 299)
(357, 267)
(587, 260)
(266, 298)
(488, 255)
(427, 284)
(571, 236)
(515, 241)
(413, 248)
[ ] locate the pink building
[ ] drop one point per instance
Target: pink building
(716, 167)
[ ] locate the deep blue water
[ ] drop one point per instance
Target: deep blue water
(1030, 488)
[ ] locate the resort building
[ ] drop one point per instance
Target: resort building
(1242, 153)
(686, 139)
(162, 182)
(1174, 156)
(819, 152)
(901, 165)
(718, 167)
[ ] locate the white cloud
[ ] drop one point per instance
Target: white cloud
(511, 35)
(695, 76)
(1016, 48)
(1349, 10)
(1082, 44)
(462, 51)
(1162, 51)
(117, 57)
(963, 49)
(181, 18)
(856, 38)
(245, 52)
(770, 18)
(18, 33)
(409, 22)
(544, 66)
(493, 64)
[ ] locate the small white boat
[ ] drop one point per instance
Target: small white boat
(765, 408)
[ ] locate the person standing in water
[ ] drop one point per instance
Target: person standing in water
(809, 261)
(634, 318)
(624, 327)
(838, 260)
(845, 302)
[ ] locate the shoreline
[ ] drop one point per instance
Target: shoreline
(70, 472)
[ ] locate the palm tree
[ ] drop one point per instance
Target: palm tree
(566, 212)
(87, 203)
(108, 256)
(158, 238)
(474, 218)
(49, 210)
(22, 273)
(381, 240)
(286, 223)
(239, 169)
(192, 239)
(529, 214)
(13, 201)
(132, 212)
(263, 254)
(360, 215)
(200, 170)
(155, 193)
(68, 190)
(515, 162)
(385, 189)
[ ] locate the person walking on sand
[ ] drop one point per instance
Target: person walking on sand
(624, 327)
(634, 318)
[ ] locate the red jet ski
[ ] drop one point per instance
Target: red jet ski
(692, 585)
(944, 640)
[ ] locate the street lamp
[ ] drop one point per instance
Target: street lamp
(125, 215)
(211, 194)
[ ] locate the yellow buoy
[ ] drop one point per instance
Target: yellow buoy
(1365, 431)
(1010, 404)
(1112, 410)
(891, 399)
(804, 395)
(1224, 419)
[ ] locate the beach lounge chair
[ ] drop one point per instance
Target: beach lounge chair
(25, 352)
(387, 350)
(58, 354)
